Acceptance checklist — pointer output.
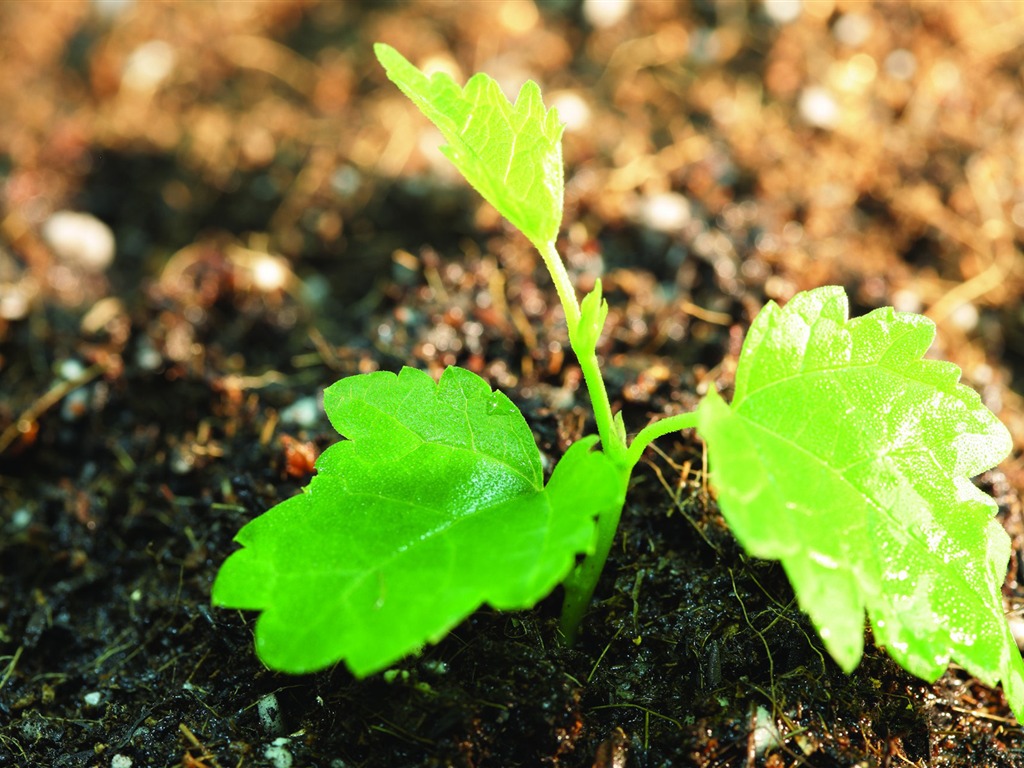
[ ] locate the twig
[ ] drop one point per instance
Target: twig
(56, 393)
(10, 667)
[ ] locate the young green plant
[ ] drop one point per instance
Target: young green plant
(843, 454)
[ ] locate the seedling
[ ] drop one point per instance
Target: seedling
(844, 454)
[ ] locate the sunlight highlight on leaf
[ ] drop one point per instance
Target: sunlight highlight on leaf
(432, 507)
(512, 154)
(848, 457)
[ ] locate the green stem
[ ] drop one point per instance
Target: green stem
(660, 428)
(560, 277)
(580, 586)
(613, 443)
(581, 583)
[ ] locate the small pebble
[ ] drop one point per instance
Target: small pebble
(278, 756)
(15, 301)
(304, 412)
(783, 11)
(93, 698)
(818, 107)
(965, 317)
(120, 761)
(21, 518)
(852, 29)
(665, 212)
(766, 732)
(605, 13)
(181, 462)
(146, 356)
(80, 239)
(270, 273)
(148, 66)
(906, 300)
(573, 110)
(70, 369)
(269, 712)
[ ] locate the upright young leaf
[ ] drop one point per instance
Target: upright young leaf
(593, 312)
(848, 457)
(434, 505)
(512, 154)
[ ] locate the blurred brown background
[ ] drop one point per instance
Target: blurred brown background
(209, 211)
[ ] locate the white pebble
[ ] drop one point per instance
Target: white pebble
(81, 239)
(278, 756)
(906, 300)
(15, 301)
(70, 369)
(965, 317)
(147, 357)
(148, 66)
(783, 11)
(21, 518)
(269, 712)
(92, 698)
(605, 13)
(120, 761)
(304, 412)
(270, 273)
(852, 29)
(665, 212)
(818, 107)
(572, 110)
(766, 733)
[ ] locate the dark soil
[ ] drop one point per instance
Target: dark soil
(280, 222)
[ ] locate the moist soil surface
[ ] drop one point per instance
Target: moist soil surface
(282, 218)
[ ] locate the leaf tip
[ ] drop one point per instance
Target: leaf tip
(387, 56)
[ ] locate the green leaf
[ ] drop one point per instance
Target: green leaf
(433, 506)
(848, 457)
(512, 154)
